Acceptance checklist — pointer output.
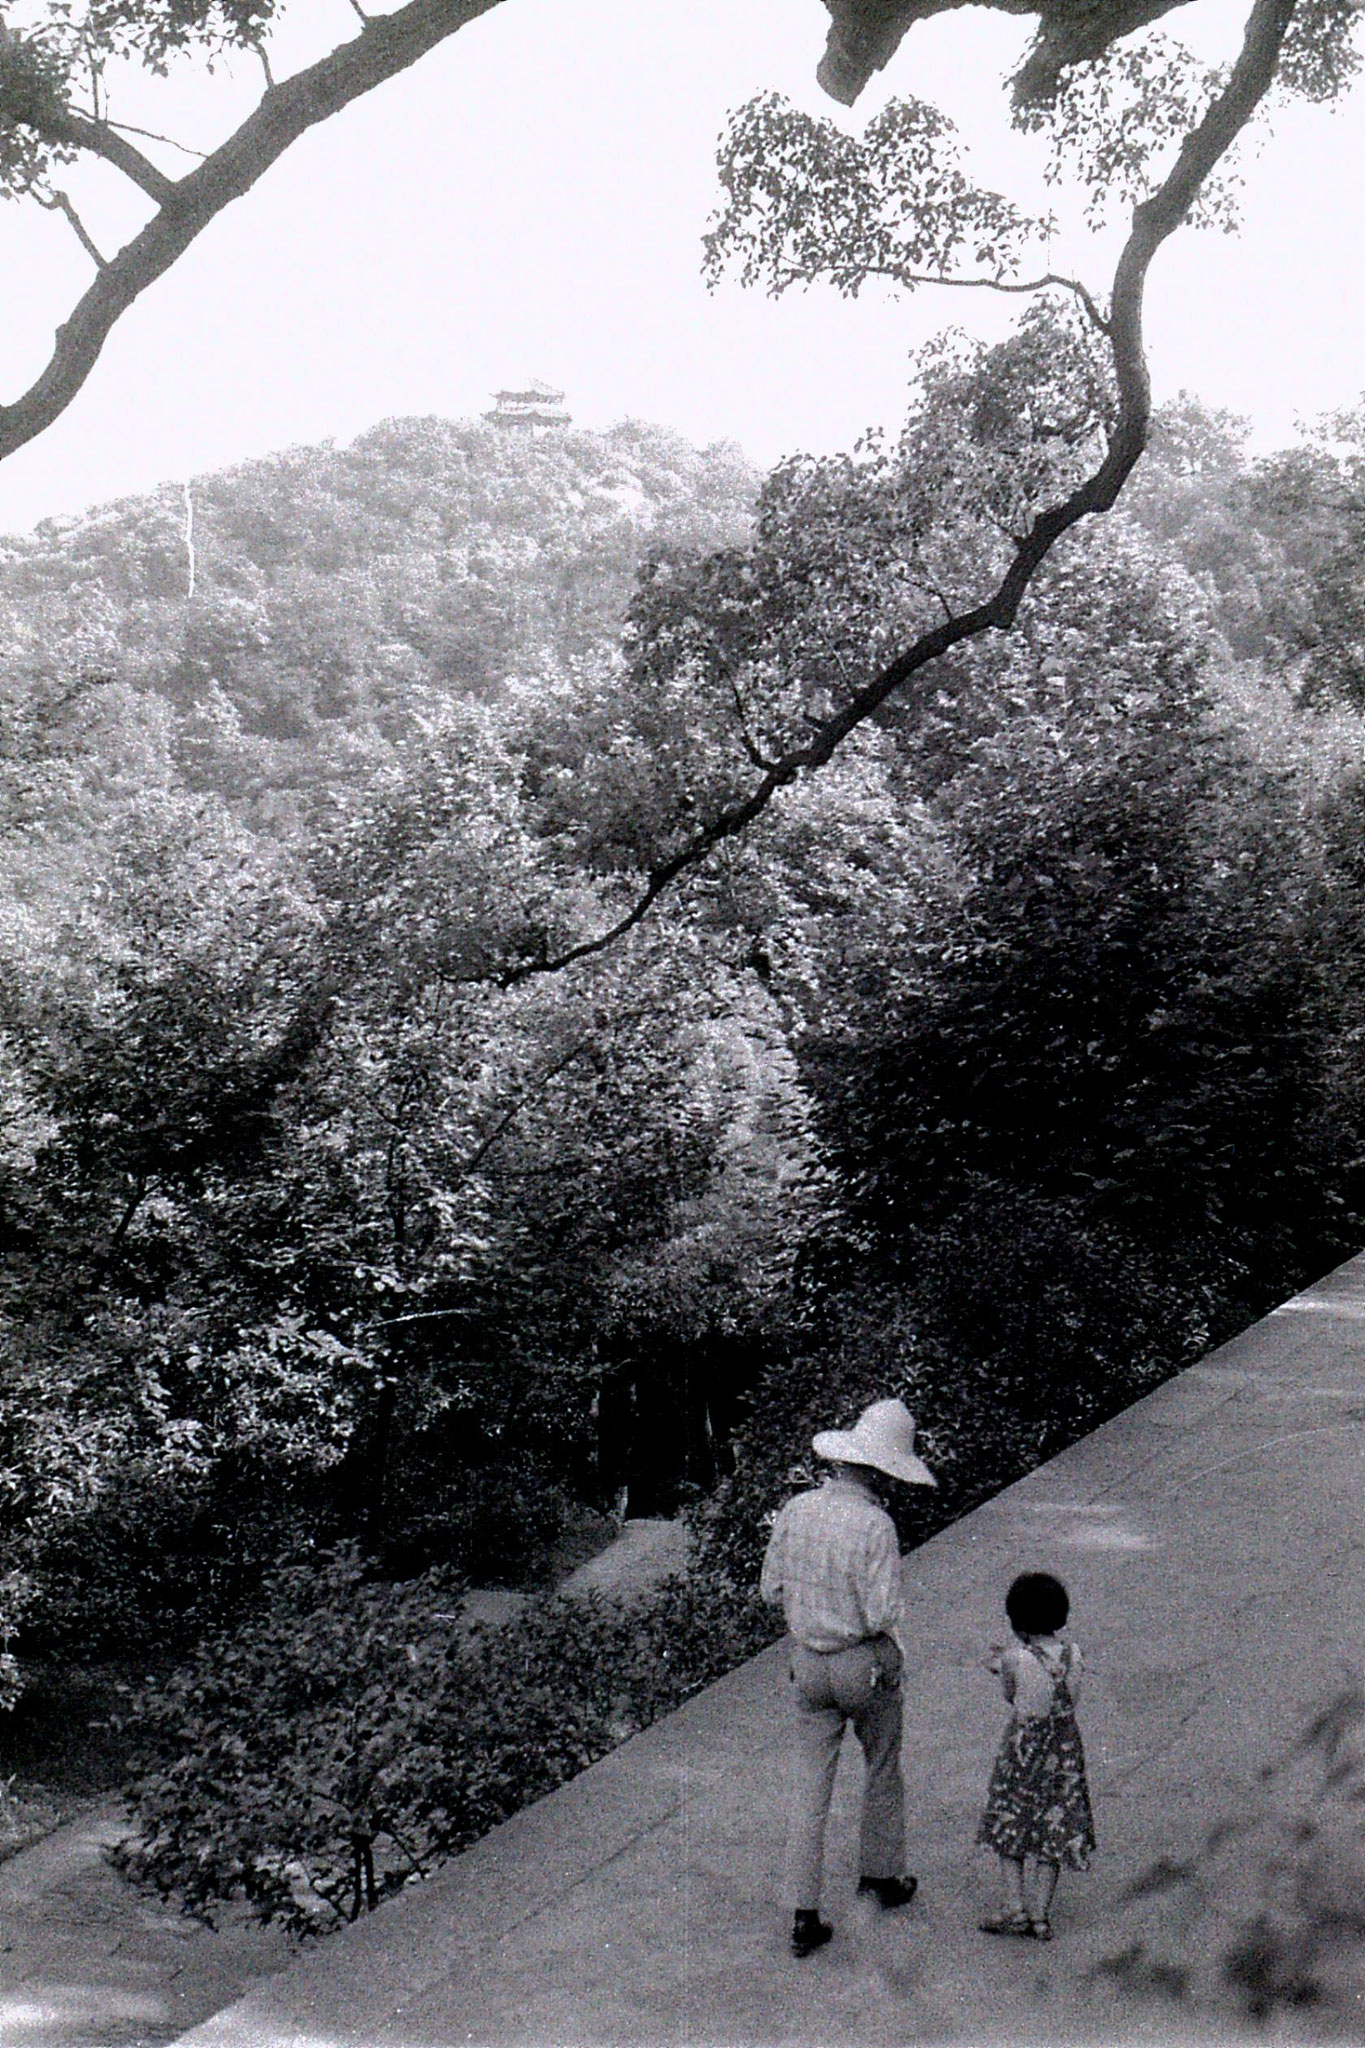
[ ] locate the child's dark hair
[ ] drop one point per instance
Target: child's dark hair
(1037, 1604)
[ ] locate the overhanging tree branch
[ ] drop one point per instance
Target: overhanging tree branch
(1154, 221)
(128, 128)
(78, 131)
(387, 45)
(1050, 280)
(60, 203)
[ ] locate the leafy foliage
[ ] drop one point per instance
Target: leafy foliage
(339, 592)
(1111, 121)
(1278, 542)
(331, 1221)
(1091, 1101)
(806, 200)
(1321, 55)
(331, 1214)
(355, 1732)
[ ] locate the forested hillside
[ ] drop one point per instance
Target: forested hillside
(296, 613)
(1006, 1063)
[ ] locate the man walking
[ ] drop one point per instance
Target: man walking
(834, 1565)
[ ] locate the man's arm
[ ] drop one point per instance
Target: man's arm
(880, 1592)
(770, 1579)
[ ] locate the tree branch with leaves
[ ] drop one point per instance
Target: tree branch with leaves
(43, 123)
(806, 203)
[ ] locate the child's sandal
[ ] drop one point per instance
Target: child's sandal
(1006, 1923)
(1041, 1929)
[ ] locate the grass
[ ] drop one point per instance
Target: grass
(29, 1811)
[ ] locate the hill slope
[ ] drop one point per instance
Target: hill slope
(320, 594)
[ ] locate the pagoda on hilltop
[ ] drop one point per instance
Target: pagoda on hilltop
(528, 412)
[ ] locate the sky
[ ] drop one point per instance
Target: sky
(529, 201)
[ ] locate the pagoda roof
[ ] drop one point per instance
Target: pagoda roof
(539, 394)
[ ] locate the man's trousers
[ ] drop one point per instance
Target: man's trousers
(830, 1689)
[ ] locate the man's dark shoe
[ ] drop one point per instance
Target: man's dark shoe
(889, 1892)
(809, 1932)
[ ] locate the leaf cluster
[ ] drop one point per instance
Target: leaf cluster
(805, 201)
(34, 76)
(1113, 121)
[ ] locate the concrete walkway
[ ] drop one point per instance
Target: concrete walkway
(1212, 1537)
(88, 1962)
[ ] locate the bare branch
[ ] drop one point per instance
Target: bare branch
(57, 202)
(1001, 284)
(64, 124)
(746, 739)
(122, 1227)
(532, 1092)
(1154, 220)
(389, 44)
(128, 128)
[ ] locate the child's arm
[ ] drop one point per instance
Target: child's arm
(1003, 1664)
(1074, 1668)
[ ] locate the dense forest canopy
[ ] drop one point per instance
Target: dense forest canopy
(1013, 448)
(303, 1178)
(537, 968)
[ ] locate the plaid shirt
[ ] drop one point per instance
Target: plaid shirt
(834, 1564)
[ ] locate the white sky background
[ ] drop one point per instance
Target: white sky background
(529, 202)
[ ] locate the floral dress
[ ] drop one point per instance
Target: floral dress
(1037, 1804)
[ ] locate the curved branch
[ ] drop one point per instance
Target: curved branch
(59, 202)
(129, 128)
(99, 138)
(1049, 279)
(388, 44)
(1154, 220)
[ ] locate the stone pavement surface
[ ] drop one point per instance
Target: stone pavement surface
(645, 1553)
(88, 1962)
(1212, 1537)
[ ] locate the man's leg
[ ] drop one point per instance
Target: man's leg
(878, 1729)
(818, 1732)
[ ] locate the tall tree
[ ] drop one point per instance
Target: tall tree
(1044, 435)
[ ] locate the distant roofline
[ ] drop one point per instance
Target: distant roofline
(528, 419)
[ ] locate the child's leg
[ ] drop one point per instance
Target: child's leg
(1012, 1884)
(1013, 1917)
(1044, 1886)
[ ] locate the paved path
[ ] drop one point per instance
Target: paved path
(87, 1962)
(1212, 1537)
(641, 1556)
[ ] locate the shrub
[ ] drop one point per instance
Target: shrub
(497, 1522)
(1026, 1325)
(356, 1733)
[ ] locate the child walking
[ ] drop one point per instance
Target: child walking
(1038, 1806)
